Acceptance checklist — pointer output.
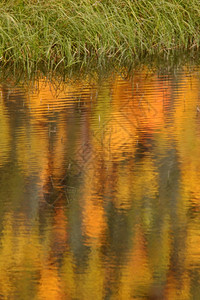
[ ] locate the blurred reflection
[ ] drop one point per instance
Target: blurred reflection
(99, 188)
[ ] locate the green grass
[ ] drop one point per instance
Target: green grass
(61, 34)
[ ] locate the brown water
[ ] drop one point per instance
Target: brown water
(99, 188)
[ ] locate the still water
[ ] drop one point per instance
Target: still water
(99, 188)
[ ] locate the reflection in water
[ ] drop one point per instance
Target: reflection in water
(99, 189)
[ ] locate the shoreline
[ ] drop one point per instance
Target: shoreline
(64, 34)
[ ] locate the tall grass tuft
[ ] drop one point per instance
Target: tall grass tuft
(65, 33)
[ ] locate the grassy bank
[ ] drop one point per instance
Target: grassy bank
(65, 33)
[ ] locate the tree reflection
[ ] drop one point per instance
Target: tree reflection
(99, 189)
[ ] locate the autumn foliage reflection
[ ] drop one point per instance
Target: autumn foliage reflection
(99, 188)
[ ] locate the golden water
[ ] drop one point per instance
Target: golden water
(99, 188)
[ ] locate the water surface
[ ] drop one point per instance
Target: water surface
(99, 188)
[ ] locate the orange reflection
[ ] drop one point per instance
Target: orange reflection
(130, 150)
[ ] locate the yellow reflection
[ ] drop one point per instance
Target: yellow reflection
(136, 275)
(132, 229)
(49, 285)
